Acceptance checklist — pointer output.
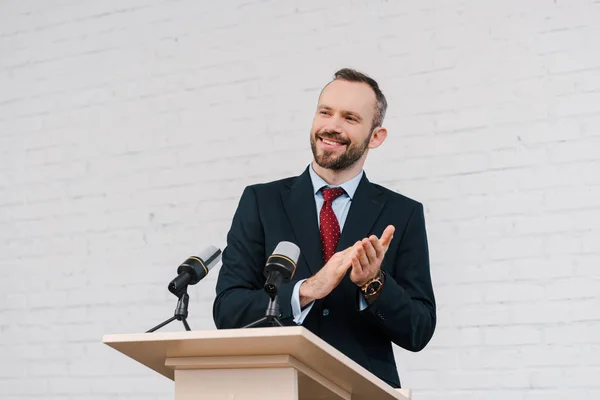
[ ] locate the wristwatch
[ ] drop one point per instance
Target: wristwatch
(374, 285)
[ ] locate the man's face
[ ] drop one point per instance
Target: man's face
(342, 126)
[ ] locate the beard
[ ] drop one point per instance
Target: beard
(328, 159)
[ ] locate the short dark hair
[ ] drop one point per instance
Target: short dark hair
(351, 75)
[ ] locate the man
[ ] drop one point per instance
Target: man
(362, 281)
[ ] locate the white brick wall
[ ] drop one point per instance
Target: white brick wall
(128, 130)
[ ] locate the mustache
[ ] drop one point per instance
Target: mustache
(332, 135)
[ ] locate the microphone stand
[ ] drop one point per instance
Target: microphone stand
(181, 311)
(272, 315)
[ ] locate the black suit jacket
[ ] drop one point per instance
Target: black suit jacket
(405, 311)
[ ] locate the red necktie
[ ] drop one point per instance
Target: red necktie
(330, 227)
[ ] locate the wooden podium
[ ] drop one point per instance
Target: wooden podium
(283, 363)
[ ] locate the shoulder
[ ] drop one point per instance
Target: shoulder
(398, 199)
(269, 188)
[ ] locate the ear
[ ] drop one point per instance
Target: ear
(377, 138)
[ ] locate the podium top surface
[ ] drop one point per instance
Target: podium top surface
(152, 349)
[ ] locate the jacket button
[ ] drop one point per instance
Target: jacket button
(325, 312)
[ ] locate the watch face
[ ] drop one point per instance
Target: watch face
(373, 287)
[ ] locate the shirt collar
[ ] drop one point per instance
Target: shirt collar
(349, 186)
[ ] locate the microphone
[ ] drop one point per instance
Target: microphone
(194, 269)
(280, 266)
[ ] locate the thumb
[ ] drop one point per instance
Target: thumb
(386, 236)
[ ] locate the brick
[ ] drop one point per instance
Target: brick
(580, 332)
(580, 197)
(458, 295)
(517, 157)
(557, 266)
(493, 315)
(512, 335)
(15, 387)
(488, 357)
(507, 292)
(576, 150)
(543, 312)
(572, 288)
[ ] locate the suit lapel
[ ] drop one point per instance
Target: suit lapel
(299, 204)
(366, 206)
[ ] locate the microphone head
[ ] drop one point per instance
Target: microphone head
(281, 266)
(289, 250)
(192, 270)
(211, 256)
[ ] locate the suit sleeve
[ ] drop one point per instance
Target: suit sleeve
(240, 298)
(405, 309)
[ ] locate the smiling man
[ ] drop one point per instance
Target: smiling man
(363, 279)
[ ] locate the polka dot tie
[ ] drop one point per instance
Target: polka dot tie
(330, 227)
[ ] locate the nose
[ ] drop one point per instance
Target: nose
(334, 124)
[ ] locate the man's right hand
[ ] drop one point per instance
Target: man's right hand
(323, 282)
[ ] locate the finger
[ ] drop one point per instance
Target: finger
(348, 254)
(362, 256)
(352, 248)
(356, 267)
(345, 255)
(370, 250)
(378, 247)
(386, 236)
(355, 248)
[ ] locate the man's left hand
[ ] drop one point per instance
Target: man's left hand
(368, 256)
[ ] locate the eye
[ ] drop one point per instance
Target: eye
(322, 112)
(352, 119)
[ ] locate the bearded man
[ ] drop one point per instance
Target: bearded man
(363, 278)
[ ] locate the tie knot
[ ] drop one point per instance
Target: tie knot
(330, 194)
